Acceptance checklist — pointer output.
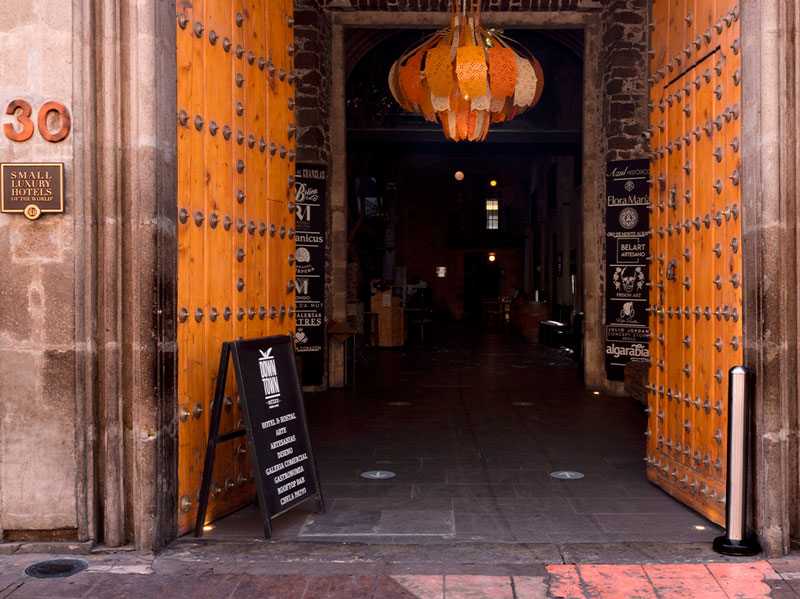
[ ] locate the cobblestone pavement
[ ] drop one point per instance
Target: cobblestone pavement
(238, 576)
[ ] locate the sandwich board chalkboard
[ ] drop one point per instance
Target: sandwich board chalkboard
(275, 424)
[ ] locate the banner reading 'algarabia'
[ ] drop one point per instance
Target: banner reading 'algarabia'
(627, 248)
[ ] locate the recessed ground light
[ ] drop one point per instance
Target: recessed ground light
(595, 393)
(699, 527)
(56, 568)
(377, 474)
(208, 527)
(399, 403)
(567, 474)
(522, 404)
(459, 176)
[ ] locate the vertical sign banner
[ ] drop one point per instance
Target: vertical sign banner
(310, 183)
(627, 248)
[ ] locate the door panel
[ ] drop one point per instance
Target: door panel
(235, 252)
(696, 289)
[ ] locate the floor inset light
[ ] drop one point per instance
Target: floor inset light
(208, 527)
(377, 474)
(699, 527)
(567, 474)
(459, 176)
(595, 392)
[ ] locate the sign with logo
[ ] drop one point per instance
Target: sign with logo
(275, 424)
(627, 248)
(310, 184)
(32, 188)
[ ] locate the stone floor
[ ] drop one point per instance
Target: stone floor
(200, 574)
(472, 425)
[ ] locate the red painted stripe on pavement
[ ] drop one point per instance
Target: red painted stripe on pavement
(744, 580)
(684, 581)
(616, 582)
(565, 583)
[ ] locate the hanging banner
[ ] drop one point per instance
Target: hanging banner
(310, 184)
(627, 248)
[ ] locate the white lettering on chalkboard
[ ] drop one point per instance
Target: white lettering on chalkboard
(282, 442)
(291, 485)
(289, 474)
(280, 431)
(280, 420)
(269, 377)
(284, 452)
(290, 462)
(294, 495)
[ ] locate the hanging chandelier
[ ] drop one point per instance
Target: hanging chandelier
(466, 77)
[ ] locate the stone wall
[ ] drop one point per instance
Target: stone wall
(624, 79)
(312, 38)
(87, 343)
(37, 289)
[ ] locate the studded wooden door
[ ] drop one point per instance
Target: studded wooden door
(235, 218)
(696, 291)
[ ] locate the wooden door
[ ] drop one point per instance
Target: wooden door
(235, 218)
(696, 295)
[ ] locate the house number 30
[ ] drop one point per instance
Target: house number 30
(24, 120)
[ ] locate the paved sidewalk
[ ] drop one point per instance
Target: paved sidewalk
(198, 576)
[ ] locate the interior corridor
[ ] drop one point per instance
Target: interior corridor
(472, 424)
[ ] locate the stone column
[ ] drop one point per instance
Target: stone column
(770, 134)
(136, 178)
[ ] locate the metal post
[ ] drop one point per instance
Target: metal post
(735, 541)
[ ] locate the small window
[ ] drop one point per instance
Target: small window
(492, 215)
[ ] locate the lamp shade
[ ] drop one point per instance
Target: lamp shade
(466, 77)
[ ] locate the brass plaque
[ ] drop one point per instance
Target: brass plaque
(32, 188)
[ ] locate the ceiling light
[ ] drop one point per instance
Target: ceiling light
(471, 77)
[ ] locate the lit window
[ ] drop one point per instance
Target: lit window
(492, 215)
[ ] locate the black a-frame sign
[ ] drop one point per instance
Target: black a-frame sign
(275, 425)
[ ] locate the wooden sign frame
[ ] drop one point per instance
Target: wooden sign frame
(235, 350)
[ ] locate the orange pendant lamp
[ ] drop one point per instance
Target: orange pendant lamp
(466, 77)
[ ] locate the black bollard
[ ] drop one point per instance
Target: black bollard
(735, 541)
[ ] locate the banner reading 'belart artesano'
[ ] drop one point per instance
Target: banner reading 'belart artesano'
(627, 248)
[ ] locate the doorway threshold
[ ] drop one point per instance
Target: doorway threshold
(285, 557)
